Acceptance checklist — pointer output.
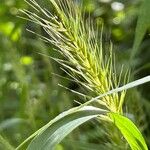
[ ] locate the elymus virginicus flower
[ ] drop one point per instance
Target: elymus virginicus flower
(85, 62)
(78, 42)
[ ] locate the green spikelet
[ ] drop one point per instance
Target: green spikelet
(76, 40)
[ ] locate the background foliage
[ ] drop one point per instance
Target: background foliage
(29, 92)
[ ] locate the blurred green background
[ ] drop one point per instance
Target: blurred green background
(29, 92)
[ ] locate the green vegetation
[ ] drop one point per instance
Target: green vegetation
(63, 57)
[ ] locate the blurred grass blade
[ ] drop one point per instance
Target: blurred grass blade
(53, 133)
(11, 122)
(129, 131)
(143, 24)
(4, 144)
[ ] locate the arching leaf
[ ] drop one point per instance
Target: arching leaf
(56, 130)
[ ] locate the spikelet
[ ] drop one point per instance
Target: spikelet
(77, 41)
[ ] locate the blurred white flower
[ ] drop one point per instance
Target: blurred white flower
(117, 6)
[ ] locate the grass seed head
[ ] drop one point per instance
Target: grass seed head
(78, 42)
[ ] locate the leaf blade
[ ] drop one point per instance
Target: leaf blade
(142, 25)
(62, 125)
(129, 131)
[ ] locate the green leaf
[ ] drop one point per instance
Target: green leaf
(57, 129)
(143, 24)
(129, 131)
